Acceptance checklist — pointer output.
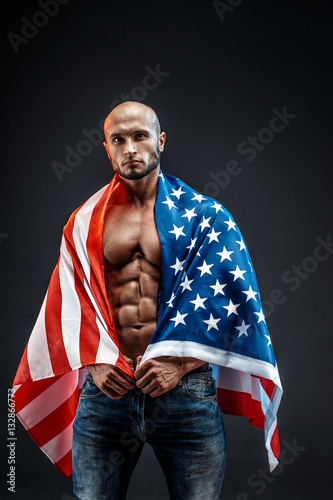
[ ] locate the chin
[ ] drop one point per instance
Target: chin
(137, 174)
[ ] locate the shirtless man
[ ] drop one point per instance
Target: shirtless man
(132, 260)
(132, 253)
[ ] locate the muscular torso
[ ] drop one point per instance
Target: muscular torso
(132, 258)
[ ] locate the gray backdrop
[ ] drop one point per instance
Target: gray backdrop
(217, 74)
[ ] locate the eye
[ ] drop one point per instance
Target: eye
(117, 140)
(141, 135)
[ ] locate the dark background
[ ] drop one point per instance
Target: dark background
(222, 79)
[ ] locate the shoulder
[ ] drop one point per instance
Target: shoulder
(189, 197)
(82, 215)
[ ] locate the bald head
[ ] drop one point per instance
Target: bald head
(133, 140)
(129, 109)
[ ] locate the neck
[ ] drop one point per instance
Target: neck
(141, 192)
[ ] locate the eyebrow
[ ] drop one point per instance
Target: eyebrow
(117, 134)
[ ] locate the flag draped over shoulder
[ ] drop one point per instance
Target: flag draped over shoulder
(208, 307)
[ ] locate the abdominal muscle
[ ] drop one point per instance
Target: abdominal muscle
(132, 292)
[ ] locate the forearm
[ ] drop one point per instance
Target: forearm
(98, 368)
(189, 364)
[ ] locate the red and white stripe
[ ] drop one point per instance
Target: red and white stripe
(243, 394)
(74, 328)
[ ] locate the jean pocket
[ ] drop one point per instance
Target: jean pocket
(203, 389)
(90, 390)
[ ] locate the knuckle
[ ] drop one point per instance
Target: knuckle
(116, 396)
(104, 387)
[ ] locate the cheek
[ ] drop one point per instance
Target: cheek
(114, 157)
(153, 150)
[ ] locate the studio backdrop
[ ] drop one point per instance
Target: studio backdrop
(243, 92)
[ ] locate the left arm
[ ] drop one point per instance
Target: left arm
(159, 375)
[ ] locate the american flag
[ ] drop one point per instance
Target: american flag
(208, 307)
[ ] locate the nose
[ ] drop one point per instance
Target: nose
(130, 147)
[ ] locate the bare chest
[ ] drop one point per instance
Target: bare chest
(127, 232)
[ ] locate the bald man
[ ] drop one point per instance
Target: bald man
(117, 414)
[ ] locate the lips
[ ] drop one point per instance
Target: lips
(132, 162)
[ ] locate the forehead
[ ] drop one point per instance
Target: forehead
(129, 119)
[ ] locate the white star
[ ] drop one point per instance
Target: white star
(186, 284)
(241, 245)
(198, 197)
(177, 231)
(178, 266)
(218, 288)
(204, 223)
(231, 308)
(192, 245)
(261, 316)
(250, 294)
(189, 214)
(231, 224)
(268, 340)
(238, 273)
(217, 207)
(179, 318)
(170, 203)
(243, 329)
(177, 193)
(198, 252)
(212, 322)
(171, 300)
(213, 236)
(205, 268)
(225, 254)
(198, 302)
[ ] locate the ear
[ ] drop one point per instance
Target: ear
(161, 141)
(106, 149)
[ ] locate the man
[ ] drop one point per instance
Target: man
(132, 252)
(154, 281)
(192, 460)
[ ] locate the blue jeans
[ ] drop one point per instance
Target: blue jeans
(183, 426)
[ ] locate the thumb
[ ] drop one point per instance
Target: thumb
(138, 360)
(129, 361)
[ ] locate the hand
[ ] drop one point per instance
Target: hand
(159, 375)
(112, 381)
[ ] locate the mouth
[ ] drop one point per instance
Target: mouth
(132, 162)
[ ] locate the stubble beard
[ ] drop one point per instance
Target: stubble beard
(152, 164)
